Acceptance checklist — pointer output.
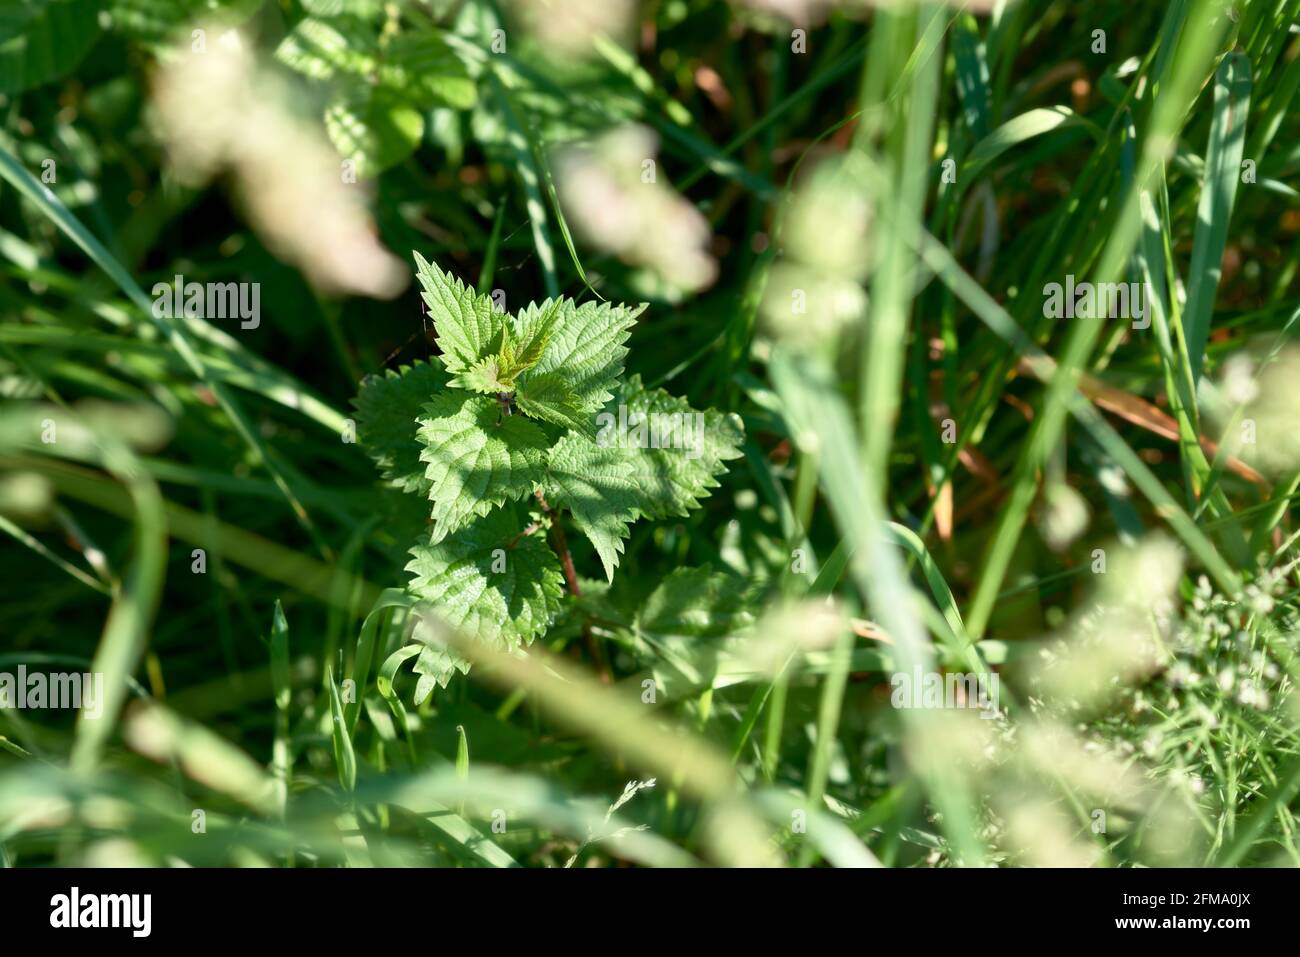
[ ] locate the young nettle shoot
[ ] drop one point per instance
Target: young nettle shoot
(503, 436)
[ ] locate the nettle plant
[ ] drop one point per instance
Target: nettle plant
(524, 425)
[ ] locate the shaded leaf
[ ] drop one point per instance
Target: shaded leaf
(387, 408)
(41, 40)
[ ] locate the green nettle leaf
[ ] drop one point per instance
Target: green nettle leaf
(492, 581)
(41, 40)
(598, 485)
(653, 457)
(523, 405)
(468, 325)
(436, 664)
(675, 452)
(687, 621)
(496, 373)
(586, 346)
(549, 398)
(532, 339)
(485, 376)
(387, 408)
(697, 603)
(478, 458)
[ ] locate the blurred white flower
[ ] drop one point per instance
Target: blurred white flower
(813, 12)
(610, 192)
(1112, 645)
(816, 287)
(801, 12)
(803, 305)
(565, 28)
(1041, 834)
(26, 495)
(218, 111)
(1053, 749)
(1182, 675)
(828, 222)
(116, 852)
(1063, 516)
(1253, 696)
(1265, 435)
(791, 630)
(1239, 385)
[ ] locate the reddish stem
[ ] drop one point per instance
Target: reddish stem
(566, 560)
(561, 545)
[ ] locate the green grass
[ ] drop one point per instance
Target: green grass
(934, 472)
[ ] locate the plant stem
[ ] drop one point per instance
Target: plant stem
(566, 560)
(561, 545)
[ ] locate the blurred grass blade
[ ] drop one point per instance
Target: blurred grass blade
(1013, 132)
(345, 758)
(173, 329)
(281, 685)
(367, 646)
(526, 168)
(1218, 192)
